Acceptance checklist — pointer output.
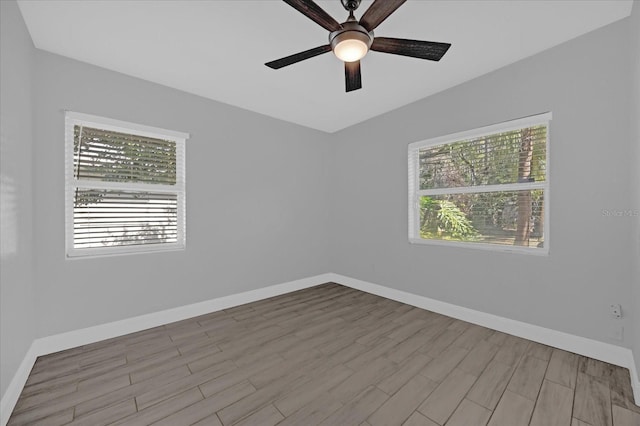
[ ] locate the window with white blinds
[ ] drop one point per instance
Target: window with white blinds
(484, 188)
(125, 187)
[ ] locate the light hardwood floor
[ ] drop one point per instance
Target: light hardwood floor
(327, 355)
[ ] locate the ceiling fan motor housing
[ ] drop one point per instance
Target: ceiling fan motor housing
(351, 30)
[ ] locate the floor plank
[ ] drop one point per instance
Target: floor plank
(307, 393)
(553, 407)
(409, 369)
(108, 415)
(478, 358)
(527, 379)
(488, 390)
(314, 412)
(266, 416)
(540, 351)
(512, 410)
(441, 366)
(563, 368)
(208, 406)
(400, 406)
(624, 417)
(163, 409)
(358, 409)
(469, 413)
(418, 419)
(363, 378)
(592, 400)
(445, 398)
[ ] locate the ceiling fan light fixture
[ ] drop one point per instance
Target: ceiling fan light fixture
(351, 43)
(352, 47)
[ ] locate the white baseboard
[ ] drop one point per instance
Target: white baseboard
(12, 393)
(592, 348)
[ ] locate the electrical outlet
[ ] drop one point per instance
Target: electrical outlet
(616, 311)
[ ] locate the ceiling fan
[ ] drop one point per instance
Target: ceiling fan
(351, 40)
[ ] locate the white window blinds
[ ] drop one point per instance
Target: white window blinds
(120, 157)
(125, 187)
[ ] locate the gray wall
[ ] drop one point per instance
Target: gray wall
(635, 122)
(17, 322)
(256, 201)
(589, 265)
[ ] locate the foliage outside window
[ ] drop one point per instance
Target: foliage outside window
(485, 188)
(125, 187)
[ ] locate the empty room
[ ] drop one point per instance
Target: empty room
(320, 212)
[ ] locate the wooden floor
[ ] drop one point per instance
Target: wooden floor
(327, 355)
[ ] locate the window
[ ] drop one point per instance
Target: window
(125, 187)
(484, 188)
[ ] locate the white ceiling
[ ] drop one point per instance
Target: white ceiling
(217, 49)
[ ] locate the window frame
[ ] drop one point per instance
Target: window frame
(72, 183)
(415, 192)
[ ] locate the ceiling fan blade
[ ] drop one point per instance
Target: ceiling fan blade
(314, 12)
(353, 78)
(297, 57)
(378, 12)
(430, 50)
